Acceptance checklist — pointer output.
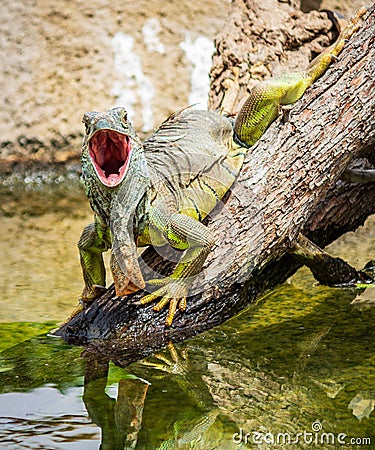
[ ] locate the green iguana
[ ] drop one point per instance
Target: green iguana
(158, 192)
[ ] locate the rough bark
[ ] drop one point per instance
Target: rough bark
(257, 43)
(290, 184)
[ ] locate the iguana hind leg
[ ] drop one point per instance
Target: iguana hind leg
(95, 240)
(182, 232)
(265, 100)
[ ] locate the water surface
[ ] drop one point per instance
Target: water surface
(296, 369)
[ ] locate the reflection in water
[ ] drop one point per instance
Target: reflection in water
(120, 420)
(298, 358)
(302, 357)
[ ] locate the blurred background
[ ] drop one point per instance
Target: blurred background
(63, 58)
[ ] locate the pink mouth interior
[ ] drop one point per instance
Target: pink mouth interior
(110, 154)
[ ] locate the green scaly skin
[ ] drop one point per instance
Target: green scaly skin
(158, 192)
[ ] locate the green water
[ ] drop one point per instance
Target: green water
(301, 362)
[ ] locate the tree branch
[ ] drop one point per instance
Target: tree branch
(290, 184)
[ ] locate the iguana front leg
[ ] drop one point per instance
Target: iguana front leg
(95, 240)
(265, 100)
(182, 232)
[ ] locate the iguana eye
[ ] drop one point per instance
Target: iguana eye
(124, 117)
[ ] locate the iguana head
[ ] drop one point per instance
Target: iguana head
(115, 175)
(108, 145)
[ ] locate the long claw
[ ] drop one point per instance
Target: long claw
(153, 365)
(173, 352)
(171, 311)
(149, 297)
(182, 304)
(164, 301)
(173, 291)
(163, 358)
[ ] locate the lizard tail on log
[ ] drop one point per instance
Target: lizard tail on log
(290, 184)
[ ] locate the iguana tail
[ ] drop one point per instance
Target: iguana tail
(265, 100)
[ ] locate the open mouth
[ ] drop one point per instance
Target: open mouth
(110, 153)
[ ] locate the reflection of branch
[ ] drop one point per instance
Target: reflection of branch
(129, 409)
(121, 419)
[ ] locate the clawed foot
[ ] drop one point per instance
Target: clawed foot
(173, 364)
(90, 294)
(173, 291)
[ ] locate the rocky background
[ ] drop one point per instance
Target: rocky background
(63, 58)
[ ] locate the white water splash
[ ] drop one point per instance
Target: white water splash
(199, 53)
(150, 32)
(132, 86)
